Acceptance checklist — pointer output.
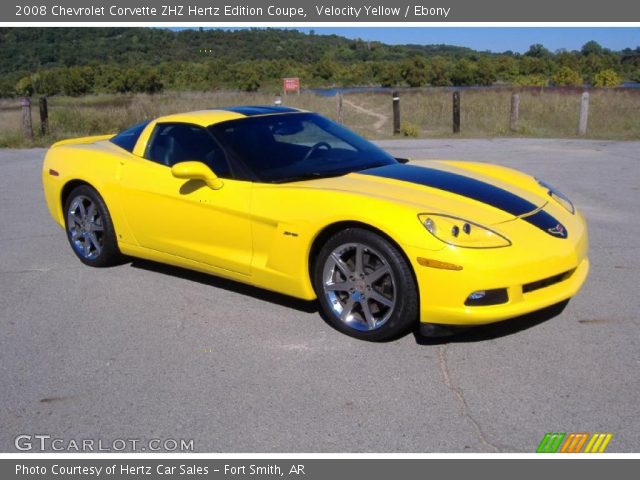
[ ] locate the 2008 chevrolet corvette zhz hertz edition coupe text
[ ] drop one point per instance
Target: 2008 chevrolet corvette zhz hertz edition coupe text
(292, 202)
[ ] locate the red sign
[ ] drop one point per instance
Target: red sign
(291, 85)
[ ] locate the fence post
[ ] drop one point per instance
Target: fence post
(584, 114)
(27, 126)
(456, 112)
(44, 116)
(515, 112)
(339, 106)
(396, 112)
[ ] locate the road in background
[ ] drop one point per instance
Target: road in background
(144, 351)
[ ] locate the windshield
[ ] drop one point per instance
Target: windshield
(297, 146)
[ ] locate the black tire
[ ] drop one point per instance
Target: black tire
(352, 299)
(89, 228)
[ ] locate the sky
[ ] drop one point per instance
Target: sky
(495, 39)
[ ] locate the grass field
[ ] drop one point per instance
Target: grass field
(613, 114)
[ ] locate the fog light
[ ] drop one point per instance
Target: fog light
(477, 295)
(481, 298)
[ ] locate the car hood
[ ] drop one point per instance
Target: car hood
(446, 187)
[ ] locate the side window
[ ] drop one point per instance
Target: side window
(172, 143)
(128, 138)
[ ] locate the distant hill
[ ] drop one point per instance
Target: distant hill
(41, 48)
(76, 61)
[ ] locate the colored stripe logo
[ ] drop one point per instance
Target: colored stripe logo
(555, 442)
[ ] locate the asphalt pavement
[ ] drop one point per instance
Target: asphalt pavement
(142, 351)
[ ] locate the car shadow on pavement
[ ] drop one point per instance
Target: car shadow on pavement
(230, 285)
(496, 330)
(475, 334)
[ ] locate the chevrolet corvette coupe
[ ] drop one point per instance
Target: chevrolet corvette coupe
(290, 201)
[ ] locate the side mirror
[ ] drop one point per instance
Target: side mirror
(197, 171)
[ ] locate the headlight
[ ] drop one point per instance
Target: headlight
(557, 195)
(461, 233)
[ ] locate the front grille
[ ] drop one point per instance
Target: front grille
(546, 282)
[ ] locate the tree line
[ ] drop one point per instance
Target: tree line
(76, 61)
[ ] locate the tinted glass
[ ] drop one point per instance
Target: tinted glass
(297, 146)
(128, 138)
(172, 143)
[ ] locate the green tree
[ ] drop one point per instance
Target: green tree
(414, 71)
(439, 74)
(324, 69)
(568, 59)
(248, 79)
(24, 87)
(538, 51)
(534, 66)
(592, 48)
(485, 72)
(507, 68)
(606, 78)
(566, 77)
(77, 81)
(390, 75)
(463, 73)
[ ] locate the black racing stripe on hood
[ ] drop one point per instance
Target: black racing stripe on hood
(458, 184)
(547, 222)
(471, 188)
(251, 111)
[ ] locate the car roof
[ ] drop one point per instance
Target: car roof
(217, 115)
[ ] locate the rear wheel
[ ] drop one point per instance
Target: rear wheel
(89, 228)
(365, 286)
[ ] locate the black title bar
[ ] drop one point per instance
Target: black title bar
(320, 11)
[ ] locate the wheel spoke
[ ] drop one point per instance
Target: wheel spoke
(338, 287)
(76, 217)
(91, 212)
(378, 297)
(347, 309)
(359, 260)
(83, 211)
(368, 316)
(75, 235)
(86, 245)
(378, 274)
(95, 242)
(96, 226)
(341, 265)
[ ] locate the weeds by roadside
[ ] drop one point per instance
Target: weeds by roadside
(484, 113)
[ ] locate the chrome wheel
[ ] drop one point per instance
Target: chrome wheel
(359, 286)
(85, 227)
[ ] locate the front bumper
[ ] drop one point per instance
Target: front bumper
(535, 271)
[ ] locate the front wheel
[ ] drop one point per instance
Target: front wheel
(365, 287)
(89, 228)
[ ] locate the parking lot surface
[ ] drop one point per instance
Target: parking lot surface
(143, 351)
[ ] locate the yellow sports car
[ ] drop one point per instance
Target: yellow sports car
(292, 202)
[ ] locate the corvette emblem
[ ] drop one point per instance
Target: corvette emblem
(558, 231)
